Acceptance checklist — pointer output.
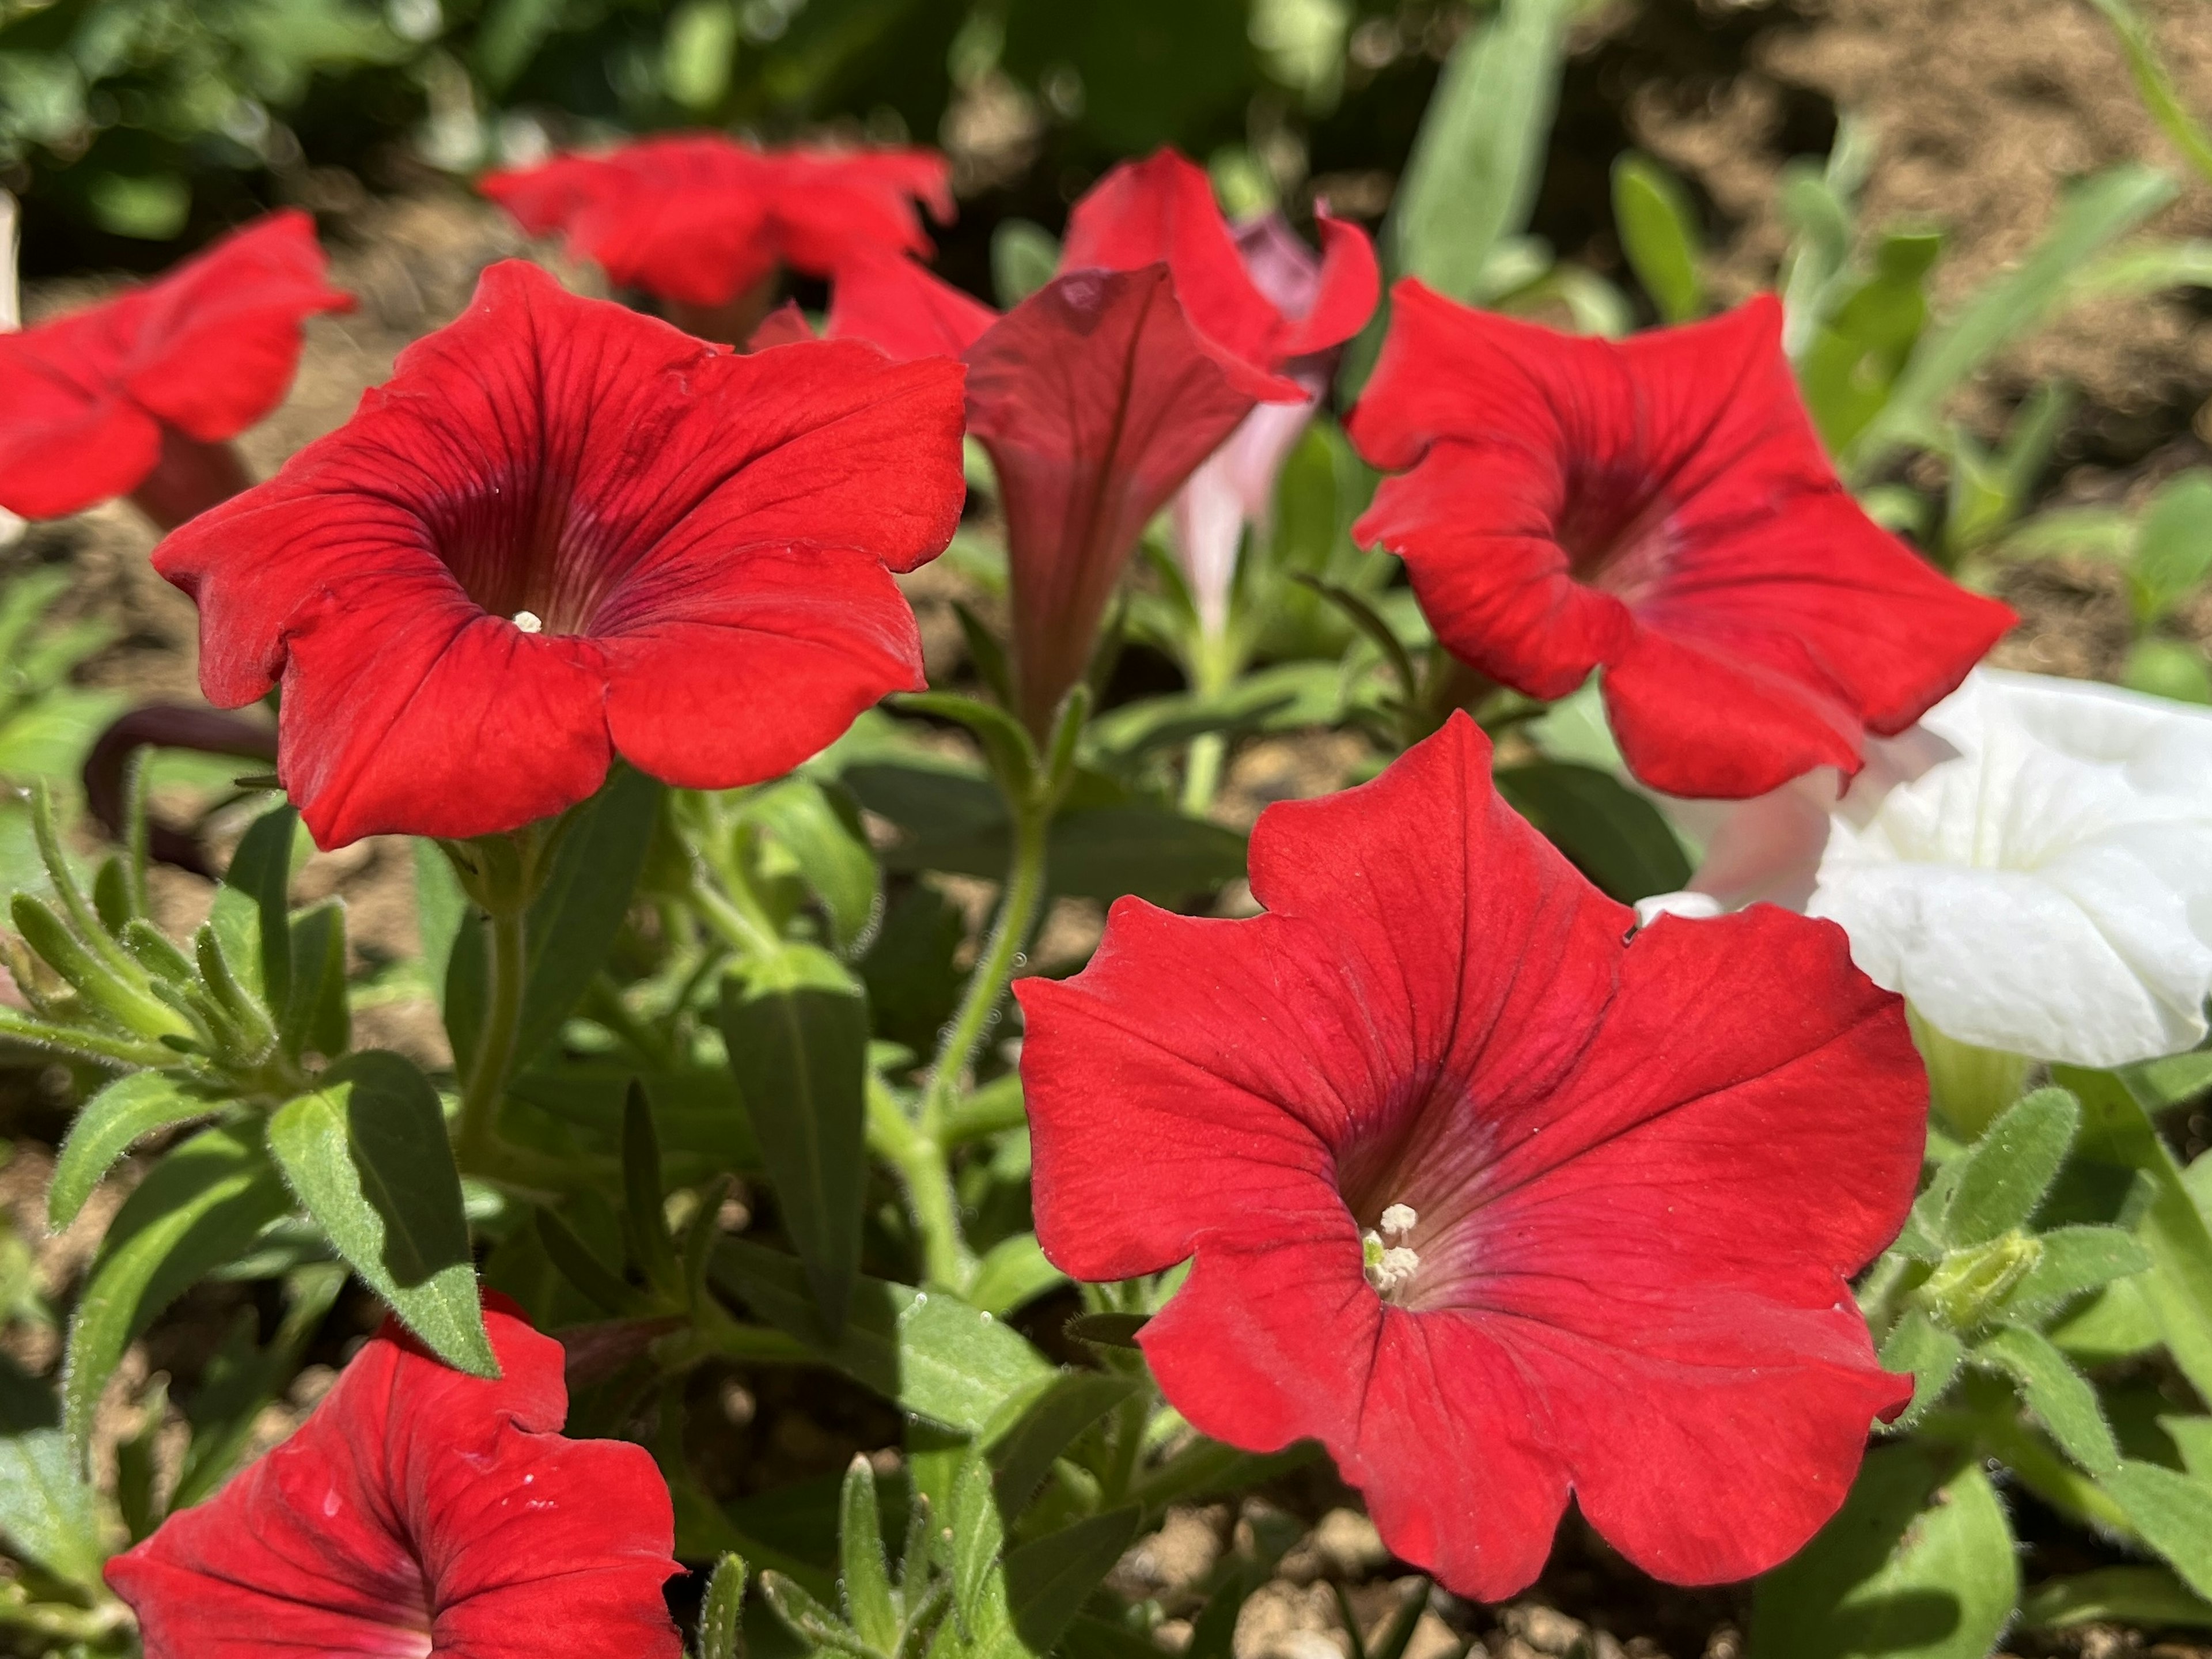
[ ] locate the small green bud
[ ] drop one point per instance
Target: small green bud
(1969, 1286)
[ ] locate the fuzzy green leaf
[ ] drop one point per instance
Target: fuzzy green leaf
(125, 1112)
(366, 1152)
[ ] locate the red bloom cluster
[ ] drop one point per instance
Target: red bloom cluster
(1098, 395)
(698, 219)
(1495, 1195)
(424, 1513)
(564, 531)
(138, 396)
(1661, 508)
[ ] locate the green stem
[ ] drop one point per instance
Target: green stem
(742, 931)
(1201, 773)
(994, 968)
(476, 1141)
(1129, 1419)
(926, 1174)
(919, 1152)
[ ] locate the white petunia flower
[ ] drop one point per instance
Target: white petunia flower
(2047, 891)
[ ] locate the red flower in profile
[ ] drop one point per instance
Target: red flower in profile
(140, 395)
(1495, 1196)
(423, 1512)
(702, 222)
(1099, 394)
(1661, 508)
(564, 531)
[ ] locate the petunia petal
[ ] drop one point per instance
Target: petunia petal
(1597, 1124)
(1661, 507)
(217, 340)
(702, 539)
(1096, 399)
(420, 1514)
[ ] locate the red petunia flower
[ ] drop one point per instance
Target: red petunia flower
(1495, 1196)
(702, 222)
(424, 1513)
(1661, 508)
(564, 531)
(1099, 394)
(140, 395)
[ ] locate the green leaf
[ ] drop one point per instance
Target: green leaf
(817, 825)
(1613, 835)
(442, 911)
(2162, 667)
(1479, 156)
(1049, 1578)
(721, 1628)
(1022, 1452)
(1658, 233)
(573, 922)
(978, 1535)
(2155, 85)
(2096, 211)
(1108, 1330)
(316, 1017)
(242, 1378)
(928, 1351)
(797, 1033)
(366, 1152)
(1012, 1272)
(2059, 1395)
(2173, 546)
(200, 1208)
(2005, 1174)
(48, 1513)
(808, 1618)
(1024, 256)
(645, 1192)
(252, 915)
(865, 1577)
(125, 1112)
(2173, 1513)
(1917, 1565)
(2170, 1080)
(1918, 1344)
(1108, 851)
(2141, 1597)
(2117, 1132)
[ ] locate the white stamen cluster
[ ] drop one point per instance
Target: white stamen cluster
(528, 622)
(1389, 1264)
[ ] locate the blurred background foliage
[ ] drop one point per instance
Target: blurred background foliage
(128, 125)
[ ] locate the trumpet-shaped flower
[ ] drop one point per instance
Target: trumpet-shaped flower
(1495, 1195)
(1661, 509)
(1234, 486)
(140, 395)
(423, 1513)
(1099, 394)
(701, 221)
(564, 531)
(2046, 891)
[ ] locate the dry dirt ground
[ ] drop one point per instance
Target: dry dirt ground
(1978, 105)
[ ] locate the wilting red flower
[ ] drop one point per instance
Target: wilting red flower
(139, 395)
(422, 1512)
(1661, 508)
(1098, 394)
(1495, 1197)
(701, 221)
(564, 531)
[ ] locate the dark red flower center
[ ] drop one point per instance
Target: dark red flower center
(528, 550)
(1617, 530)
(1415, 1189)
